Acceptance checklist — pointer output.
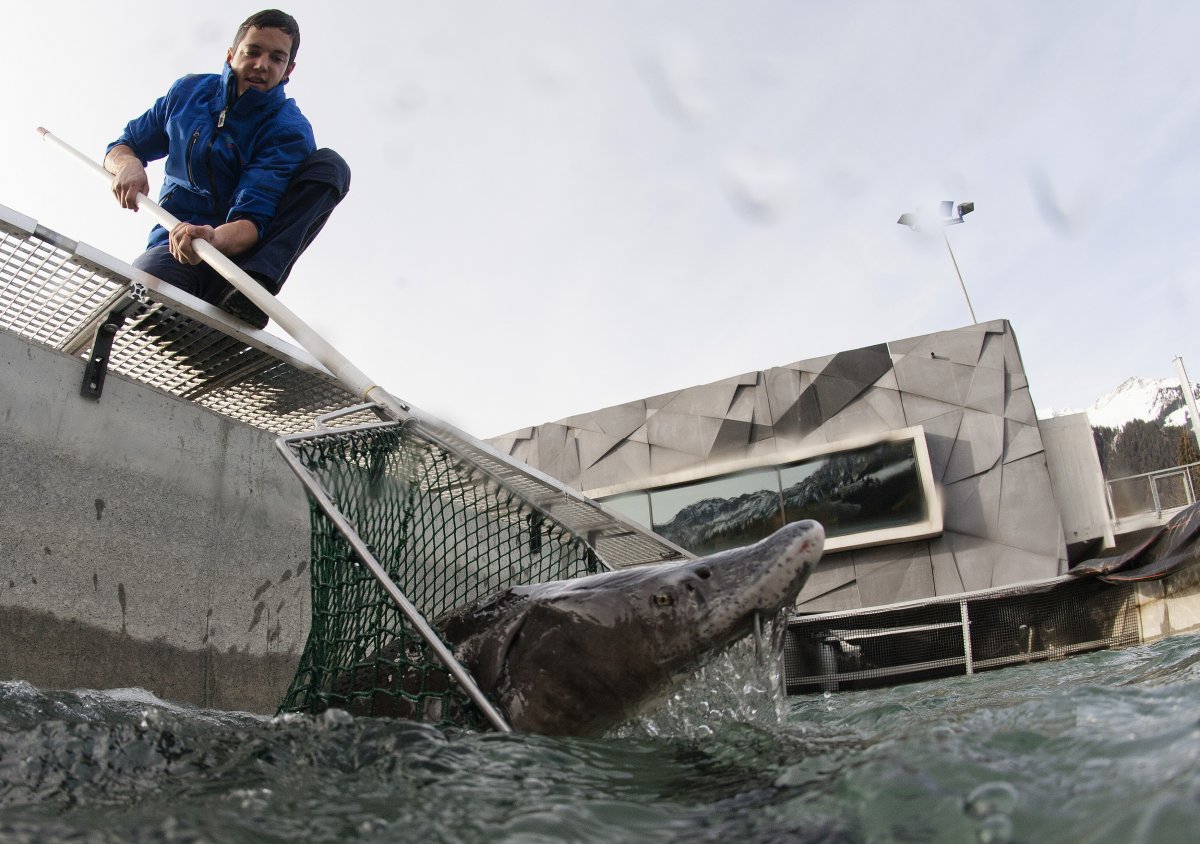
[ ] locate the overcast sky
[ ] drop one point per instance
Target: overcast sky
(560, 206)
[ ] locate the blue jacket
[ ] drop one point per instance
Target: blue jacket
(228, 157)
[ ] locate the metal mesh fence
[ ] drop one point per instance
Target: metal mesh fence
(961, 635)
(446, 534)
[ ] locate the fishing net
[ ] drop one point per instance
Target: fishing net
(447, 535)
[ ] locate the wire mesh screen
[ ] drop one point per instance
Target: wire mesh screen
(447, 535)
(882, 647)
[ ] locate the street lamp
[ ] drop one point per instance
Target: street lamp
(950, 216)
(1189, 398)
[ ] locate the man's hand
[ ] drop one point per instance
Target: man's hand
(229, 238)
(181, 240)
(129, 176)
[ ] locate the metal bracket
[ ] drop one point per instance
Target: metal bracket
(97, 365)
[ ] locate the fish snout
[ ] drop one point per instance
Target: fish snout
(773, 572)
(803, 549)
(809, 541)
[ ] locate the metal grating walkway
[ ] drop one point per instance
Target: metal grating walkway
(57, 292)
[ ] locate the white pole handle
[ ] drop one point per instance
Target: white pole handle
(350, 376)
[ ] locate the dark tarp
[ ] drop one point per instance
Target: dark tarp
(1170, 548)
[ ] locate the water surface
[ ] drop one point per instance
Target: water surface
(1100, 748)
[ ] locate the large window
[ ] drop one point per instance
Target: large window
(862, 492)
(857, 490)
(724, 512)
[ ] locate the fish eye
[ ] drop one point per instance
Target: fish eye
(662, 599)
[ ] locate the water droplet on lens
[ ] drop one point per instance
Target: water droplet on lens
(991, 798)
(334, 718)
(996, 829)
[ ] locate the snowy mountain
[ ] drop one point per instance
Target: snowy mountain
(1141, 398)
(1149, 399)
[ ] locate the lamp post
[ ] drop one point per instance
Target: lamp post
(1189, 398)
(950, 216)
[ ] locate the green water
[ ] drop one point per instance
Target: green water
(1101, 748)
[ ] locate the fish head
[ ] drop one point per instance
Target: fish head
(585, 654)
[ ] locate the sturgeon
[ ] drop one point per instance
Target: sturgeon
(580, 656)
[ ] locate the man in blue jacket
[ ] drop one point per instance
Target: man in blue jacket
(242, 169)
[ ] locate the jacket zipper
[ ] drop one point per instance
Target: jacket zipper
(191, 145)
(208, 160)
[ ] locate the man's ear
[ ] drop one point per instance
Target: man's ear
(229, 56)
(287, 74)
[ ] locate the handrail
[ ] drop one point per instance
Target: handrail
(1150, 479)
(1178, 468)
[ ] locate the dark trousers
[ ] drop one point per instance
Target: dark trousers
(314, 191)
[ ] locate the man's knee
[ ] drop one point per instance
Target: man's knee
(152, 259)
(327, 167)
(158, 262)
(314, 191)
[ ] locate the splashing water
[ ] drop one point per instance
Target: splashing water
(742, 685)
(1104, 747)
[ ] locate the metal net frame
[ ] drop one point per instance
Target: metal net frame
(444, 534)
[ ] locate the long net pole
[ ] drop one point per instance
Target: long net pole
(350, 377)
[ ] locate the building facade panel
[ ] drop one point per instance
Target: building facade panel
(963, 391)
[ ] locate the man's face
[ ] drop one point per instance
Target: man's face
(260, 59)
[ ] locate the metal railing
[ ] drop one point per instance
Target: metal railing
(958, 634)
(1159, 494)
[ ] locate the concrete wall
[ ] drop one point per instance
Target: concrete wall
(1170, 606)
(1077, 478)
(144, 541)
(966, 388)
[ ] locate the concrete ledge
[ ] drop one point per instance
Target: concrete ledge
(51, 653)
(1170, 606)
(174, 536)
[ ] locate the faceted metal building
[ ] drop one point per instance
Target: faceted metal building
(922, 457)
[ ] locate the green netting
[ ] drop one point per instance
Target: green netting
(446, 534)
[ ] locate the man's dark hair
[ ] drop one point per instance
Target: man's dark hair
(271, 19)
